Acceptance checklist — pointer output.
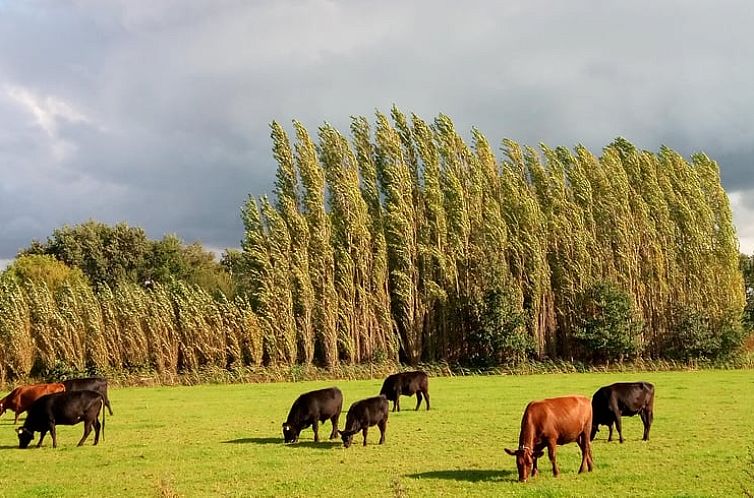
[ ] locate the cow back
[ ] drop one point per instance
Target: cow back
(64, 408)
(24, 396)
(563, 418)
(366, 412)
(322, 403)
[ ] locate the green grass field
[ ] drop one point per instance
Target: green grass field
(225, 440)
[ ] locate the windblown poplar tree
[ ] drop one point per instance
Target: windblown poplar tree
(413, 235)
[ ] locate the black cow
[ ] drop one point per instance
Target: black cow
(406, 384)
(611, 402)
(312, 408)
(364, 414)
(66, 408)
(96, 384)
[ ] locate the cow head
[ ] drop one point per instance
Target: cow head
(347, 437)
(290, 433)
(524, 461)
(25, 436)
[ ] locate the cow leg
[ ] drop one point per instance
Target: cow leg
(107, 404)
(610, 434)
(619, 428)
(382, 425)
(15, 420)
(585, 449)
(646, 418)
(534, 469)
(96, 431)
(426, 398)
(41, 437)
(418, 400)
(54, 435)
(87, 430)
(364, 433)
(334, 433)
(315, 428)
(551, 445)
(397, 400)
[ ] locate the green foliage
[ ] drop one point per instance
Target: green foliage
(608, 328)
(698, 335)
(41, 269)
(108, 255)
(498, 332)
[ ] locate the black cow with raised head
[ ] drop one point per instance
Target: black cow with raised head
(406, 384)
(65, 408)
(626, 399)
(96, 384)
(312, 408)
(364, 414)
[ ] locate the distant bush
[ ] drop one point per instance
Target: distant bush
(498, 335)
(608, 328)
(695, 335)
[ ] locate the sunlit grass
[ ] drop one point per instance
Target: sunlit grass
(225, 440)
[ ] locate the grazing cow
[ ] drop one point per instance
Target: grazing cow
(611, 402)
(65, 408)
(96, 384)
(22, 397)
(406, 384)
(364, 414)
(312, 408)
(549, 423)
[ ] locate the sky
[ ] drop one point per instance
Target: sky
(156, 112)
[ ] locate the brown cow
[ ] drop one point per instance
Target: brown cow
(21, 398)
(549, 423)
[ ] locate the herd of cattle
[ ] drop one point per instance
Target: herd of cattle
(545, 424)
(62, 403)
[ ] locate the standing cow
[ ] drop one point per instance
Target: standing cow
(22, 397)
(96, 384)
(406, 384)
(549, 423)
(364, 414)
(312, 408)
(611, 402)
(65, 408)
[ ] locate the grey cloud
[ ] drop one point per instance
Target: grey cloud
(178, 95)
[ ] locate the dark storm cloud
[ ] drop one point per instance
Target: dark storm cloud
(157, 113)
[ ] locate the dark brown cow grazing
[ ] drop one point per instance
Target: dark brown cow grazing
(22, 397)
(549, 423)
(66, 408)
(97, 384)
(627, 399)
(312, 408)
(364, 414)
(406, 384)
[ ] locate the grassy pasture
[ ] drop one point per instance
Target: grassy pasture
(225, 440)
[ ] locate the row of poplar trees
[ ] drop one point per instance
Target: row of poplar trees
(377, 245)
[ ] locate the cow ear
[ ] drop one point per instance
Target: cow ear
(511, 452)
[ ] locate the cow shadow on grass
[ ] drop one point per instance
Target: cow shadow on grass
(469, 475)
(322, 445)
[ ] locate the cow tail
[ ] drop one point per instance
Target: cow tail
(103, 417)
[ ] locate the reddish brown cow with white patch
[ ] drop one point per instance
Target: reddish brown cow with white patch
(549, 423)
(21, 398)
